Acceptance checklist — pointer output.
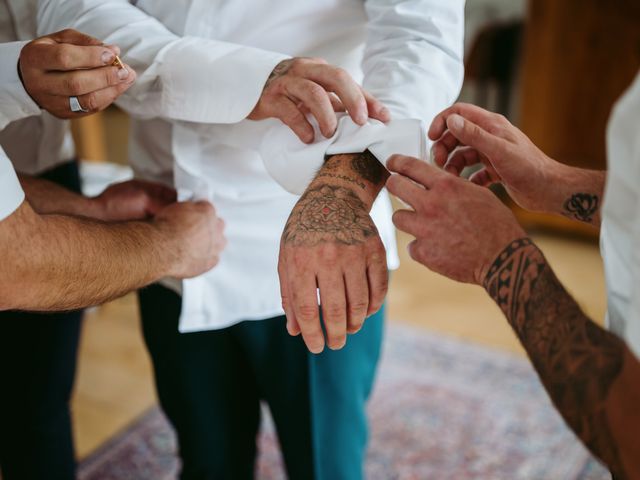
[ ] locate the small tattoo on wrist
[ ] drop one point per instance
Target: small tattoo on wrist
(581, 206)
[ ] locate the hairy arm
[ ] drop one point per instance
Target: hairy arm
(589, 373)
(54, 262)
(331, 243)
(48, 197)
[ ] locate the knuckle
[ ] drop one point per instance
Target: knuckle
(341, 75)
(307, 312)
(63, 57)
(316, 92)
(334, 312)
(358, 308)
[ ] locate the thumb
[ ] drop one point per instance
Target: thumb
(472, 135)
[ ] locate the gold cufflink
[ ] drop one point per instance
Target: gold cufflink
(117, 62)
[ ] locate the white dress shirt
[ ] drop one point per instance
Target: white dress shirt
(620, 237)
(34, 140)
(11, 194)
(193, 92)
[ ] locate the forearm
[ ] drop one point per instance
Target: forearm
(577, 193)
(53, 262)
(46, 197)
(591, 376)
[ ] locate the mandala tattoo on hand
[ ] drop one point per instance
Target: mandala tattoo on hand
(280, 70)
(328, 213)
(582, 206)
(576, 359)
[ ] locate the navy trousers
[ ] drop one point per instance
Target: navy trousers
(37, 369)
(210, 385)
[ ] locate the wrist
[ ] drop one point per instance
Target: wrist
(360, 172)
(169, 248)
(577, 193)
(515, 239)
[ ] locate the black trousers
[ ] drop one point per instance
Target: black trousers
(38, 355)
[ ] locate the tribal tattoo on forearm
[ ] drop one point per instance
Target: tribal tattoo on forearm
(576, 360)
(328, 213)
(582, 207)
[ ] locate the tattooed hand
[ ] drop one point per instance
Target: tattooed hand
(330, 243)
(459, 227)
(467, 135)
(299, 86)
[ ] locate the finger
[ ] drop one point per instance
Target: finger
(417, 170)
(334, 308)
(65, 57)
(81, 82)
(357, 291)
(305, 309)
(473, 113)
(441, 149)
(337, 105)
(407, 221)
(475, 136)
(292, 116)
(316, 99)
(101, 99)
(292, 324)
(462, 158)
(375, 108)
(484, 177)
(406, 190)
(378, 278)
(344, 86)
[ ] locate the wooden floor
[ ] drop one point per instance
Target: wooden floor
(115, 381)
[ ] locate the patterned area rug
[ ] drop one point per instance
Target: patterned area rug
(442, 409)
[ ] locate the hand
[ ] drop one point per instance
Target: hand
(531, 178)
(460, 227)
(309, 85)
(195, 237)
(69, 63)
(132, 200)
(330, 243)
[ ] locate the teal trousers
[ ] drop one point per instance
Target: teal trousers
(210, 385)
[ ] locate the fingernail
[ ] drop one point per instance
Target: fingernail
(108, 57)
(455, 122)
(316, 350)
(123, 74)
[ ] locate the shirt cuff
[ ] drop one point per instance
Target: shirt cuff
(15, 102)
(11, 194)
(214, 83)
(294, 165)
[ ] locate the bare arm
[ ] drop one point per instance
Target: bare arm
(464, 232)
(589, 373)
(130, 200)
(56, 262)
(330, 242)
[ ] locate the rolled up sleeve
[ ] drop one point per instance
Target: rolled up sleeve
(15, 102)
(11, 194)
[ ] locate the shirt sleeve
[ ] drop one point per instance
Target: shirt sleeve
(413, 63)
(179, 78)
(15, 102)
(11, 194)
